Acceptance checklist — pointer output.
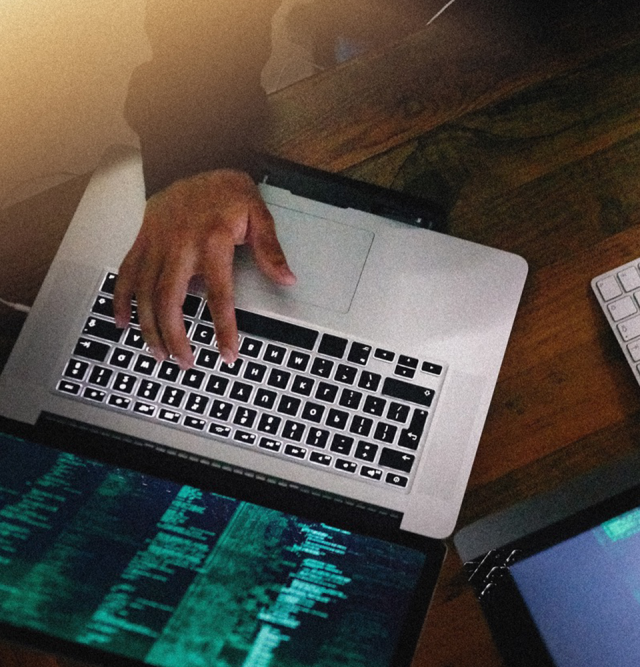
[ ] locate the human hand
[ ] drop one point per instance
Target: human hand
(191, 228)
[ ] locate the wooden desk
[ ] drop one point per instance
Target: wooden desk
(528, 130)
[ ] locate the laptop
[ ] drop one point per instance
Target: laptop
(353, 414)
(558, 575)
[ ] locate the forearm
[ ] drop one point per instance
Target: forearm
(198, 104)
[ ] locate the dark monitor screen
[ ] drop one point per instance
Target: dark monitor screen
(584, 594)
(168, 574)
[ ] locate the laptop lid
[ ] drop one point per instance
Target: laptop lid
(441, 307)
(558, 576)
(128, 557)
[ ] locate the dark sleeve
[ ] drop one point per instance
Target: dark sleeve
(198, 104)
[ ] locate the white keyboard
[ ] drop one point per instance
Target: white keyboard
(618, 292)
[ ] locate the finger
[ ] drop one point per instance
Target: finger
(125, 283)
(148, 275)
(218, 274)
(266, 248)
(169, 296)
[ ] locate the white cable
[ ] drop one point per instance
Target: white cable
(16, 306)
(435, 16)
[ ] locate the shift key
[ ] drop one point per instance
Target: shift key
(407, 391)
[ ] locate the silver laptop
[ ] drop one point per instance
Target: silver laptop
(369, 380)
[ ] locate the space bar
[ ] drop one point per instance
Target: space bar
(277, 330)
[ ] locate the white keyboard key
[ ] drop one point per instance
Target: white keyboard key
(622, 308)
(630, 329)
(630, 278)
(609, 288)
(634, 350)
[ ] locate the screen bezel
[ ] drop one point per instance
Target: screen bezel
(141, 457)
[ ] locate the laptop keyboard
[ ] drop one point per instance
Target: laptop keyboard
(294, 392)
(618, 293)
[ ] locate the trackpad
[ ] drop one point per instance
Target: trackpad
(327, 258)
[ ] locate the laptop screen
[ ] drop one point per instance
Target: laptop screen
(168, 574)
(584, 594)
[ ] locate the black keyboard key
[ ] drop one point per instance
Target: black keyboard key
(398, 412)
(121, 358)
(69, 387)
(302, 385)
(396, 480)
(385, 432)
(278, 378)
(345, 374)
(269, 424)
(332, 346)
(326, 392)
(144, 409)
(361, 426)
(322, 367)
(76, 369)
(274, 354)
(207, 358)
(337, 419)
(148, 390)
(359, 353)
(345, 466)
(349, 398)
(317, 437)
(172, 396)
(194, 423)
(404, 372)
(100, 376)
(366, 451)
(410, 437)
(320, 458)
(298, 361)
(406, 391)
(255, 372)
(119, 401)
(103, 305)
(145, 364)
(265, 399)
(434, 369)
(392, 458)
(125, 383)
(289, 405)
(134, 339)
(341, 444)
(220, 430)
(193, 378)
(240, 391)
(270, 444)
(96, 395)
(374, 405)
(293, 430)
(245, 417)
(221, 410)
(169, 371)
(250, 347)
(277, 330)
(369, 381)
(404, 360)
(313, 412)
(231, 369)
(295, 451)
(217, 385)
(191, 305)
(91, 349)
(109, 283)
(104, 329)
(196, 403)
(169, 416)
(245, 437)
(202, 334)
(384, 355)
(371, 473)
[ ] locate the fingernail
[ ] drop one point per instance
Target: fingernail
(228, 356)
